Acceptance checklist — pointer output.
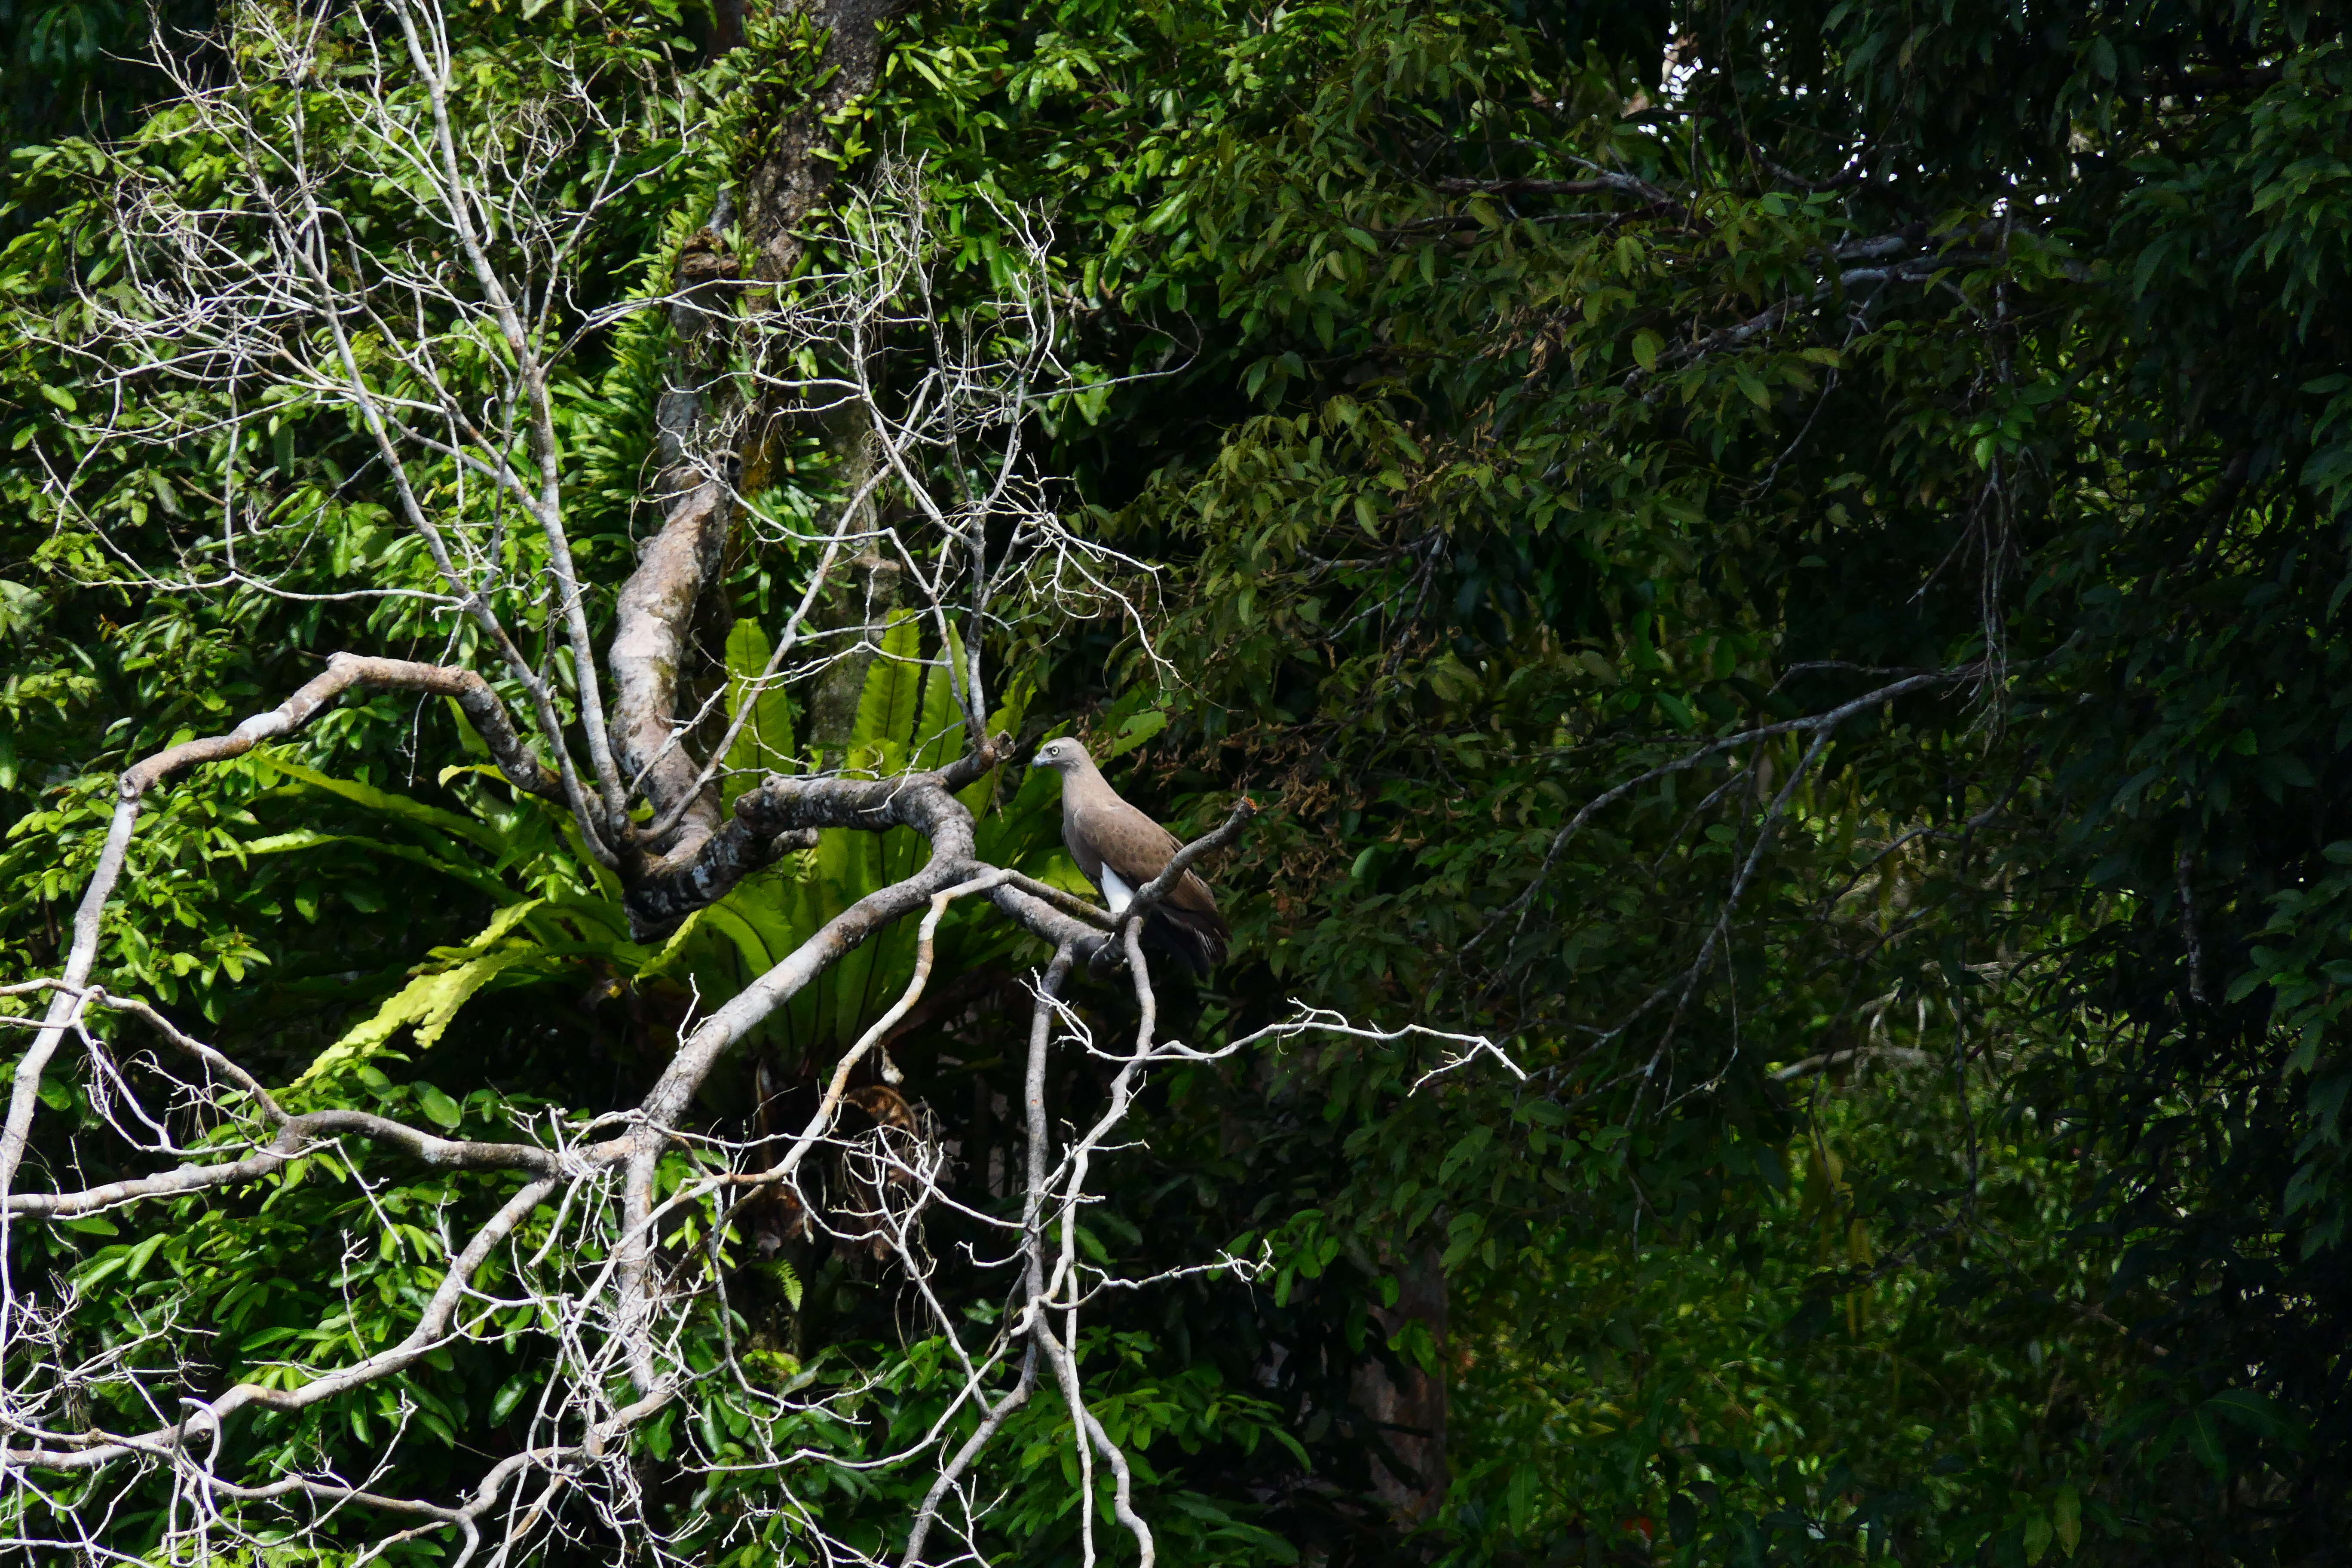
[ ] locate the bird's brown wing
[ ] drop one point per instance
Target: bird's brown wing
(1075, 840)
(1191, 893)
(1116, 834)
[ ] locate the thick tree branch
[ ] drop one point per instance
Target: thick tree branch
(782, 815)
(647, 655)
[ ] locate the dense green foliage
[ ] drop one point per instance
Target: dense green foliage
(1935, 1138)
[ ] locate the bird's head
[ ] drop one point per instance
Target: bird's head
(1061, 755)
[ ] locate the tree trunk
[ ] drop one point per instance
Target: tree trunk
(1408, 1407)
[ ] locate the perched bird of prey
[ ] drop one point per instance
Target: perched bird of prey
(1121, 850)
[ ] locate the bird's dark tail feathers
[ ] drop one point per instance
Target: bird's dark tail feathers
(1192, 938)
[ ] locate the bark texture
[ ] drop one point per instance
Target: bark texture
(687, 856)
(788, 173)
(1408, 1407)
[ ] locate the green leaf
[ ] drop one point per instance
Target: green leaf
(1134, 732)
(888, 706)
(502, 924)
(2066, 1517)
(1527, 1484)
(765, 743)
(760, 950)
(390, 804)
(509, 1394)
(430, 1002)
(2204, 1432)
(939, 733)
(135, 1261)
(777, 1269)
(2256, 1414)
(444, 1111)
(309, 838)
